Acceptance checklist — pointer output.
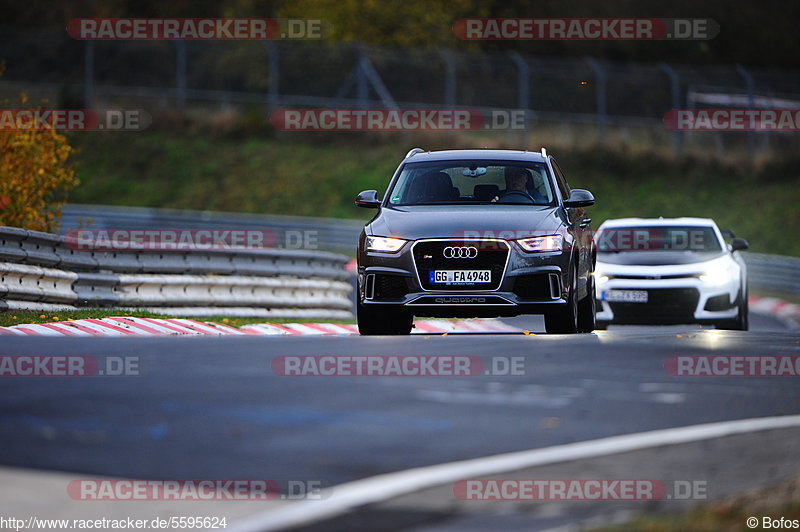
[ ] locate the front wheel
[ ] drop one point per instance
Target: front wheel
(587, 316)
(374, 321)
(741, 322)
(565, 319)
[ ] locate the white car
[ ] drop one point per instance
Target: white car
(669, 271)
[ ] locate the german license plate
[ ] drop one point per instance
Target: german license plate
(626, 296)
(459, 276)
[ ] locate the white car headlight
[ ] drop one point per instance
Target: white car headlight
(541, 243)
(717, 273)
(384, 244)
(600, 278)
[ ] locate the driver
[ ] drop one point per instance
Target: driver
(517, 181)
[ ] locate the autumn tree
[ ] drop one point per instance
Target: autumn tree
(34, 175)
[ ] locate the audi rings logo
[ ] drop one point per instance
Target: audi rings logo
(463, 252)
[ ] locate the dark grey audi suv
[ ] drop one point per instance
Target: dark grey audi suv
(476, 233)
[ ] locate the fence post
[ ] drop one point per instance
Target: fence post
(523, 88)
(273, 75)
(675, 91)
(601, 95)
(450, 77)
(88, 74)
(751, 100)
(367, 70)
(362, 84)
(180, 73)
(523, 79)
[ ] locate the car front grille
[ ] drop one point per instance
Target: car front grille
(491, 255)
(663, 305)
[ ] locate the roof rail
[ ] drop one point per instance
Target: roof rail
(413, 152)
(544, 152)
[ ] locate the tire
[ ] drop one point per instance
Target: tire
(376, 321)
(742, 320)
(587, 315)
(565, 319)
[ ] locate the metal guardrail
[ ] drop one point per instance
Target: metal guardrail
(775, 273)
(42, 271)
(338, 235)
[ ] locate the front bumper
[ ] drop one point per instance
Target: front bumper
(670, 301)
(530, 283)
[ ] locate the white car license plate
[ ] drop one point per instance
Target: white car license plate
(626, 296)
(460, 276)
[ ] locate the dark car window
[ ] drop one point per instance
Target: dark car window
(561, 181)
(657, 238)
(471, 182)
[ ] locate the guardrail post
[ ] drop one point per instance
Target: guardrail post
(602, 97)
(675, 91)
(273, 75)
(523, 79)
(523, 88)
(751, 89)
(362, 86)
(88, 74)
(367, 70)
(450, 77)
(180, 73)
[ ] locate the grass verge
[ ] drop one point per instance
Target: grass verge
(315, 175)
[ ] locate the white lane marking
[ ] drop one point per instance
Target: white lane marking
(491, 398)
(349, 495)
(653, 387)
(667, 398)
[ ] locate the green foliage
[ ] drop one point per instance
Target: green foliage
(298, 174)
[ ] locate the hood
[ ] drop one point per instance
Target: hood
(446, 221)
(657, 258)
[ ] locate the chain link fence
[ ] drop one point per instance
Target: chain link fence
(599, 98)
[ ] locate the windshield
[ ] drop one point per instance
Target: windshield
(473, 182)
(657, 238)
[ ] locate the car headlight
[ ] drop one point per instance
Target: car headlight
(600, 278)
(383, 244)
(716, 274)
(541, 243)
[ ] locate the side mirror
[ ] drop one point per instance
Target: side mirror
(739, 244)
(368, 199)
(579, 198)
